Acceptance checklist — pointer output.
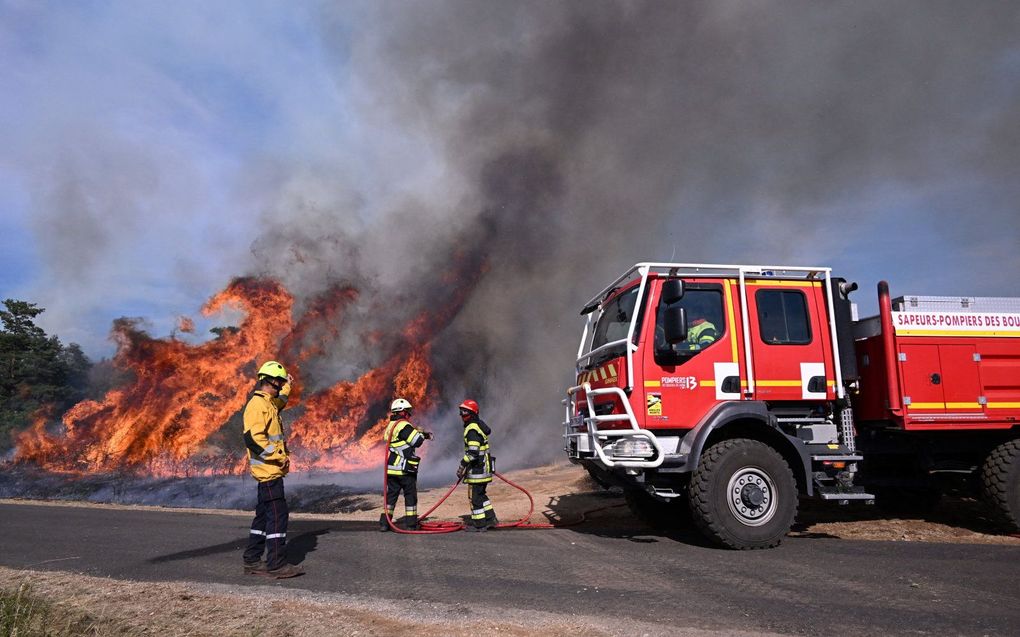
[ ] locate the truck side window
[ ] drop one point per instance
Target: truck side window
(783, 317)
(705, 326)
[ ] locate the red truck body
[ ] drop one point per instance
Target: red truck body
(771, 362)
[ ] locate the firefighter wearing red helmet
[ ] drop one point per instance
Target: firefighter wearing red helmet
(476, 467)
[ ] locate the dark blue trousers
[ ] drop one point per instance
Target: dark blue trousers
(269, 528)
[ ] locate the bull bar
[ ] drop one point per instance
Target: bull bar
(588, 443)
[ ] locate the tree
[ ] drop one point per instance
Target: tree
(35, 369)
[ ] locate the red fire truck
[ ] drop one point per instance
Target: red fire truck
(732, 391)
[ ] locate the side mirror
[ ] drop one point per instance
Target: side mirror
(672, 291)
(674, 323)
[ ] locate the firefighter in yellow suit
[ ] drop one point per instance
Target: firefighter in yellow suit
(476, 467)
(402, 439)
(269, 462)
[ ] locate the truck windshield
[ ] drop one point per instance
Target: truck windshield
(614, 324)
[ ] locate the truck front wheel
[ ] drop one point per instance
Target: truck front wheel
(743, 495)
(1000, 481)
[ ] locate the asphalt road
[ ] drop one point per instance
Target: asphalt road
(806, 586)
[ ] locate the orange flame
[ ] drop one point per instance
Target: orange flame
(180, 415)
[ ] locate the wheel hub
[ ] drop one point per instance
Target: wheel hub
(751, 496)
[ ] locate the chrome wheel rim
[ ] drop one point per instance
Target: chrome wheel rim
(751, 496)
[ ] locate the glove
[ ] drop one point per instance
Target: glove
(460, 472)
(427, 434)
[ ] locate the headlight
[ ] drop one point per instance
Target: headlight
(631, 448)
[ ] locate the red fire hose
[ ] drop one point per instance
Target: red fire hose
(449, 526)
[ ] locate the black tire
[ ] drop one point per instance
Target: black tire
(597, 477)
(763, 505)
(1000, 483)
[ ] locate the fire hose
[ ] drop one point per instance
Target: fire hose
(449, 526)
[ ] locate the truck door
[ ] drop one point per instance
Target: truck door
(940, 379)
(680, 381)
(791, 355)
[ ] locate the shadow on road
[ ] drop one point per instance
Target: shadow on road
(607, 515)
(303, 538)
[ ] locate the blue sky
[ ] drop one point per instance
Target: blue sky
(147, 146)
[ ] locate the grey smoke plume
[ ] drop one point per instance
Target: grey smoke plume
(562, 142)
(547, 145)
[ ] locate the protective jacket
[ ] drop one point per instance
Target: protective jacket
(403, 439)
(476, 458)
(701, 335)
(263, 435)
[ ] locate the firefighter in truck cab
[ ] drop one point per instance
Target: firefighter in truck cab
(403, 439)
(476, 467)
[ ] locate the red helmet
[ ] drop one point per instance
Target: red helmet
(470, 405)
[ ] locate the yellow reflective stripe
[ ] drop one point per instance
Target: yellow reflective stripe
(778, 383)
(732, 325)
(1003, 405)
(707, 383)
(784, 284)
(966, 405)
(653, 383)
(612, 369)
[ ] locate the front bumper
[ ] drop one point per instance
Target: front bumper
(633, 447)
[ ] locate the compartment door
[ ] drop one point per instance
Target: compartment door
(923, 388)
(961, 382)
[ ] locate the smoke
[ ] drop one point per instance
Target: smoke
(561, 142)
(509, 159)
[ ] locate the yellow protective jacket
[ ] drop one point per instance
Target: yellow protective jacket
(263, 435)
(403, 438)
(477, 460)
(701, 335)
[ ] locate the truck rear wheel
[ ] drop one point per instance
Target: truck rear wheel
(1000, 481)
(743, 495)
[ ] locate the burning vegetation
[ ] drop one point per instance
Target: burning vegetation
(164, 421)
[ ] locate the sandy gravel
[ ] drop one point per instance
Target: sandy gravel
(110, 607)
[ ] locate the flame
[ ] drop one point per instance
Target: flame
(180, 413)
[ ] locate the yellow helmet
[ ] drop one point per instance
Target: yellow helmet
(272, 369)
(399, 405)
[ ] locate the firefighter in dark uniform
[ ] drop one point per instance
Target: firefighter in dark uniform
(476, 467)
(269, 462)
(403, 439)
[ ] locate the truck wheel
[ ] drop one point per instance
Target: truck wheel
(1000, 481)
(597, 477)
(743, 495)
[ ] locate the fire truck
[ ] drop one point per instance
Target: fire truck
(730, 392)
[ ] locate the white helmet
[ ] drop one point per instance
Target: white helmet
(399, 405)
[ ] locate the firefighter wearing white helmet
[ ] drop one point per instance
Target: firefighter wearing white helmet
(269, 462)
(403, 439)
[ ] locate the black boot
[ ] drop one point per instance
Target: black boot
(384, 525)
(412, 523)
(490, 518)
